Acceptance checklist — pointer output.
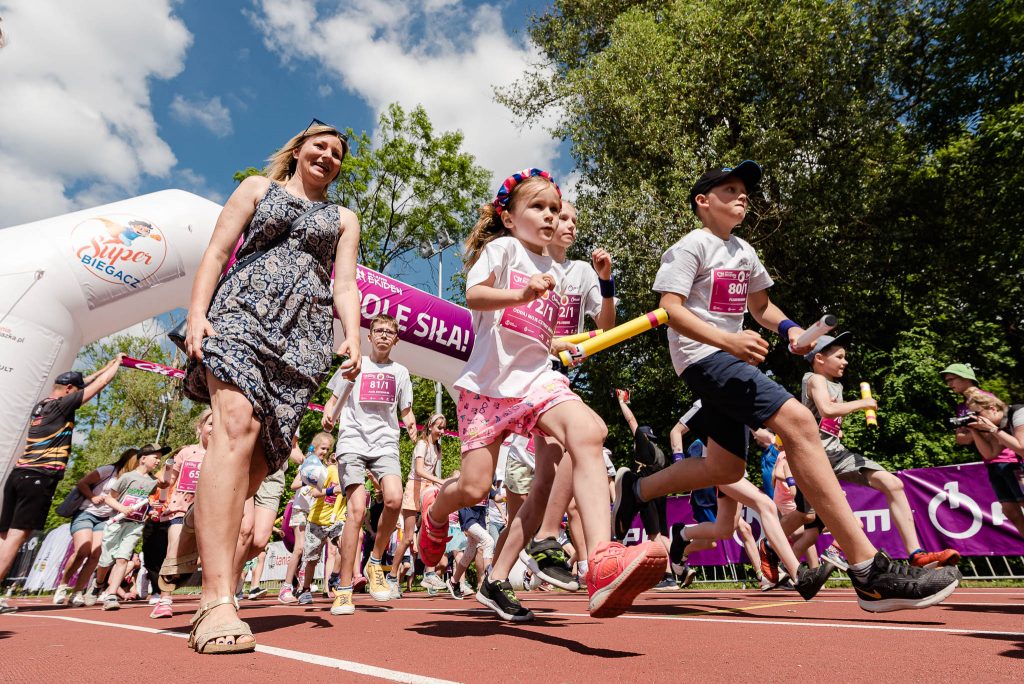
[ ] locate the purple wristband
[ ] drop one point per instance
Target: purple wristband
(784, 327)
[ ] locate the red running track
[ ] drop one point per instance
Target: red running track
(976, 635)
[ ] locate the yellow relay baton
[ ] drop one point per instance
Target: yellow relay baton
(579, 337)
(612, 337)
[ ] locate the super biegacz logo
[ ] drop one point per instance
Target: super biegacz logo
(119, 249)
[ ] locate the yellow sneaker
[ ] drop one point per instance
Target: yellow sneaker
(343, 604)
(376, 583)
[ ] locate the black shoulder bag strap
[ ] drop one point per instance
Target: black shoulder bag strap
(177, 335)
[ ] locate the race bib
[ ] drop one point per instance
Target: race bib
(132, 501)
(729, 290)
(536, 319)
(569, 312)
(379, 388)
(531, 448)
(831, 426)
(188, 478)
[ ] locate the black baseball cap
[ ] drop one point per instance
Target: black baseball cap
(747, 171)
(153, 448)
(843, 339)
(70, 378)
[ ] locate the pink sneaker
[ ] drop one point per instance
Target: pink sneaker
(432, 540)
(162, 609)
(618, 574)
(287, 595)
(358, 583)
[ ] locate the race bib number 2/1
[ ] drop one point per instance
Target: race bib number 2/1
(569, 314)
(729, 290)
(378, 388)
(535, 319)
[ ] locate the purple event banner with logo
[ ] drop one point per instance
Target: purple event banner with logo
(423, 319)
(954, 507)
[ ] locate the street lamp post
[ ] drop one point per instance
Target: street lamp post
(427, 250)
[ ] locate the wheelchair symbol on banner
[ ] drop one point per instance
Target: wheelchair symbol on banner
(951, 495)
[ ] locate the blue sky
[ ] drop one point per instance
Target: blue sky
(112, 100)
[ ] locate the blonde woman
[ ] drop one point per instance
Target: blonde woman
(259, 342)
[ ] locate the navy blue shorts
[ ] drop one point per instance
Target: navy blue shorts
(475, 514)
(1003, 477)
(734, 395)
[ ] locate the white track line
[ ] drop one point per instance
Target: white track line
(325, 661)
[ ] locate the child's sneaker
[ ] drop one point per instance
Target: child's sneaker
(810, 581)
(376, 584)
(502, 599)
(343, 603)
(546, 559)
(110, 602)
(287, 595)
(455, 589)
(396, 590)
(154, 599)
(934, 559)
(764, 583)
(667, 584)
(619, 574)
(769, 562)
(305, 598)
(358, 583)
(5, 607)
(89, 598)
(677, 550)
(257, 592)
(78, 600)
(686, 577)
(834, 556)
(898, 586)
(626, 505)
(162, 609)
(432, 540)
(60, 597)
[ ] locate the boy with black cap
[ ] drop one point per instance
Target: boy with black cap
(29, 489)
(822, 393)
(707, 282)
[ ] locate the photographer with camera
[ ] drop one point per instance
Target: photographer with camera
(997, 431)
(960, 378)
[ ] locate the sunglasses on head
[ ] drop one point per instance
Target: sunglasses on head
(318, 122)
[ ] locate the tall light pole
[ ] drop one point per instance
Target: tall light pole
(427, 250)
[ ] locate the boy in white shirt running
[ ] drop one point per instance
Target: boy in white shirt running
(368, 439)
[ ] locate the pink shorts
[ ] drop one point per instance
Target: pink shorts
(483, 419)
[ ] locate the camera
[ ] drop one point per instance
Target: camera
(964, 420)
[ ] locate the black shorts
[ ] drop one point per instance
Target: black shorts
(1003, 477)
(803, 506)
(734, 395)
(27, 498)
(154, 546)
(654, 515)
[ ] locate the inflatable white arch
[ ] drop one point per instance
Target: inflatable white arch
(73, 279)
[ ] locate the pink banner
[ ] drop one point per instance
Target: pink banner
(152, 367)
(953, 506)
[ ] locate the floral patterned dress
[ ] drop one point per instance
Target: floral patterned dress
(274, 318)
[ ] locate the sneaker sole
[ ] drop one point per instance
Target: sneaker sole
(536, 570)
(619, 476)
(835, 562)
(893, 604)
(642, 574)
(343, 611)
(502, 614)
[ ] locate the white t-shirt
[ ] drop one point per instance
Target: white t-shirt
(510, 353)
(715, 276)
(581, 294)
(521, 448)
(369, 422)
(431, 456)
(101, 488)
(495, 509)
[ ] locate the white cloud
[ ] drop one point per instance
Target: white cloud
(188, 179)
(438, 53)
(76, 121)
(210, 114)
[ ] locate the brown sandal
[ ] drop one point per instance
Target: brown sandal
(205, 641)
(180, 567)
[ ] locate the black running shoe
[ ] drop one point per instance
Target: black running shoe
(899, 586)
(547, 560)
(626, 506)
(455, 589)
(686, 577)
(499, 597)
(677, 551)
(810, 581)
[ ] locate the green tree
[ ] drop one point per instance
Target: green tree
(888, 132)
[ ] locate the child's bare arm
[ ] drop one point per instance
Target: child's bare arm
(834, 409)
(485, 297)
(745, 345)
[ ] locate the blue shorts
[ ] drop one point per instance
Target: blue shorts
(1003, 477)
(734, 395)
(474, 514)
(87, 521)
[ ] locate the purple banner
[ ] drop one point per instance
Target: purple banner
(423, 319)
(953, 506)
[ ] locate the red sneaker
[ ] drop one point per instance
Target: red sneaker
(934, 559)
(769, 562)
(618, 574)
(432, 540)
